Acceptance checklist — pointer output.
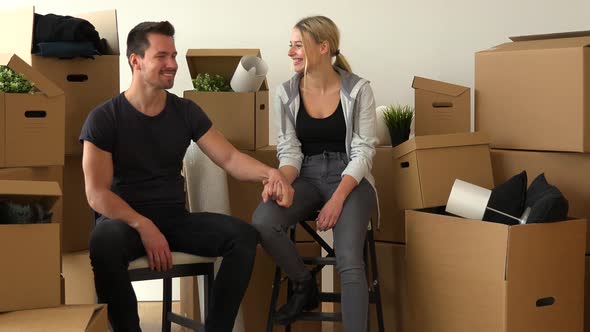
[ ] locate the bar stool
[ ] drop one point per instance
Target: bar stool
(320, 262)
(185, 265)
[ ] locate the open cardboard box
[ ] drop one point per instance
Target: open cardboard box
(31, 124)
(242, 117)
(469, 275)
(87, 83)
(532, 93)
(30, 252)
(441, 108)
(425, 167)
(74, 318)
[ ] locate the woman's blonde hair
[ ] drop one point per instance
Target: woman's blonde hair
(320, 29)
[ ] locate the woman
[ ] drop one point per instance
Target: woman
(326, 137)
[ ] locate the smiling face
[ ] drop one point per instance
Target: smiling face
(304, 51)
(157, 68)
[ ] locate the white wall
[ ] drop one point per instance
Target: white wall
(386, 41)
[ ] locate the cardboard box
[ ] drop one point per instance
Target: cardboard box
(468, 275)
(587, 296)
(78, 216)
(567, 171)
(392, 227)
(241, 117)
(441, 108)
(244, 197)
(31, 125)
(391, 260)
(531, 94)
(426, 167)
(79, 278)
(48, 173)
(87, 83)
(79, 318)
(30, 251)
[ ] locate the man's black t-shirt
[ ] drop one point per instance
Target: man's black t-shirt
(147, 151)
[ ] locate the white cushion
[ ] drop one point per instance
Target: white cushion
(177, 258)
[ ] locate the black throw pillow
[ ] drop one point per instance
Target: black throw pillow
(508, 197)
(547, 203)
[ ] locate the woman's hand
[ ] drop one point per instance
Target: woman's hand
(329, 214)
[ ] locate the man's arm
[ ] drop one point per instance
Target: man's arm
(98, 176)
(244, 167)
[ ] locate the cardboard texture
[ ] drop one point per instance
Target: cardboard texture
(31, 124)
(244, 197)
(440, 107)
(426, 167)
(256, 302)
(391, 227)
(567, 171)
(241, 117)
(78, 318)
(49, 173)
(532, 94)
(79, 278)
(87, 83)
(30, 251)
(468, 275)
(391, 266)
(78, 216)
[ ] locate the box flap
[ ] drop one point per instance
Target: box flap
(218, 61)
(105, 22)
(548, 41)
(438, 86)
(74, 318)
(439, 141)
(45, 192)
(42, 83)
(16, 32)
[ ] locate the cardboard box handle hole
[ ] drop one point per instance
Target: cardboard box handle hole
(405, 164)
(35, 114)
(442, 104)
(545, 301)
(262, 107)
(77, 78)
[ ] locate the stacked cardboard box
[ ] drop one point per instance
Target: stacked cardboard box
(472, 276)
(86, 83)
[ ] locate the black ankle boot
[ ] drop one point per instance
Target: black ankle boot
(305, 296)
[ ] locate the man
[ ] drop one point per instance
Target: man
(134, 145)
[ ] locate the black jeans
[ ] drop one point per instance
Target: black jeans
(113, 244)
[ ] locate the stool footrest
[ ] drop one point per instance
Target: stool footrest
(330, 297)
(319, 260)
(321, 316)
(185, 322)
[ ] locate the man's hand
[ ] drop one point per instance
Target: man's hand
(156, 246)
(329, 214)
(277, 188)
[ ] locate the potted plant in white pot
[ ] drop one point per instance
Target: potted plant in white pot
(398, 119)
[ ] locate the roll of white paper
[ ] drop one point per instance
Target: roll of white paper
(468, 200)
(249, 74)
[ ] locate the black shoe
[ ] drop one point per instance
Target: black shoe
(305, 296)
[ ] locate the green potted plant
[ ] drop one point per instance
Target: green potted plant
(13, 82)
(210, 83)
(398, 119)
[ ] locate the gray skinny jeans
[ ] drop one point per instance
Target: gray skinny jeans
(319, 177)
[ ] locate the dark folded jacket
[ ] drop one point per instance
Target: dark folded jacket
(52, 28)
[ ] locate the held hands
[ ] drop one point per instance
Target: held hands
(277, 188)
(329, 214)
(156, 246)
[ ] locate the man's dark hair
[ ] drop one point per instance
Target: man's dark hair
(137, 40)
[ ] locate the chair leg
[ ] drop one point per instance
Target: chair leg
(276, 287)
(376, 287)
(167, 305)
(208, 281)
